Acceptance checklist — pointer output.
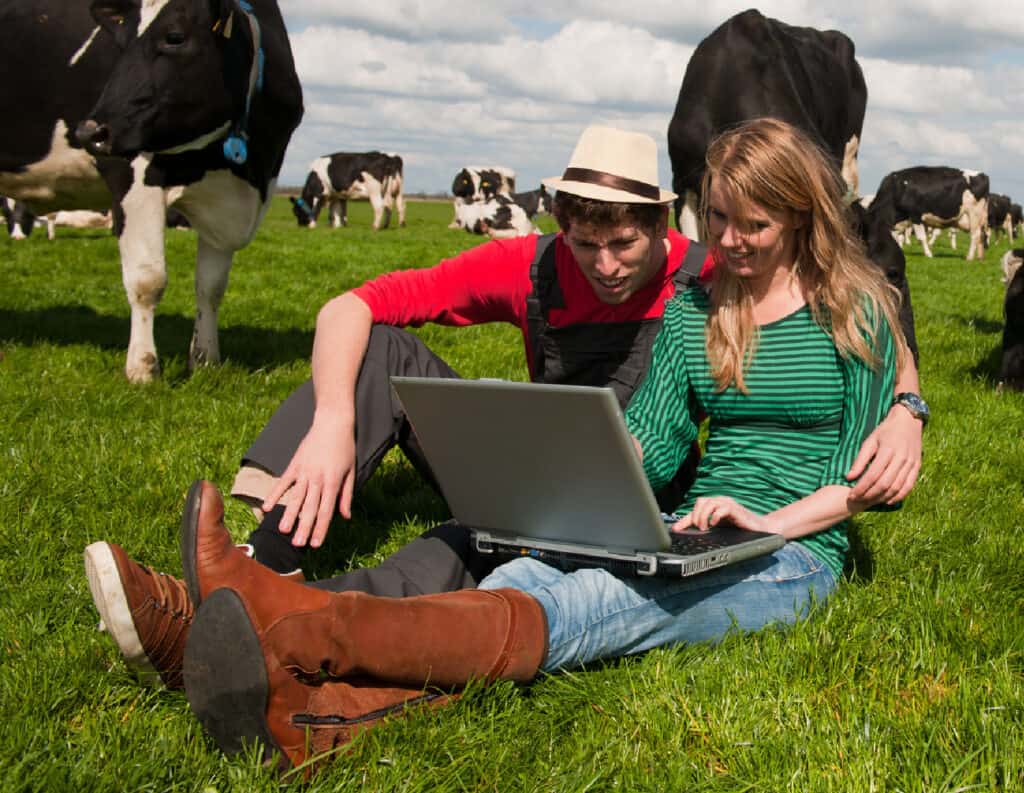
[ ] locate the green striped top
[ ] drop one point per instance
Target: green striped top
(798, 429)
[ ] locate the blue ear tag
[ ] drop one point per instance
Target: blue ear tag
(235, 149)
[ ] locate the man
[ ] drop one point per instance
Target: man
(601, 284)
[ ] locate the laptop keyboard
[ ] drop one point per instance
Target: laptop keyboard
(687, 544)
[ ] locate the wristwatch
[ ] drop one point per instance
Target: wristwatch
(918, 407)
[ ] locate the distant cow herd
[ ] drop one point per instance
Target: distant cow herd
(207, 152)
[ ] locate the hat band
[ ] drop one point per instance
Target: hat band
(604, 179)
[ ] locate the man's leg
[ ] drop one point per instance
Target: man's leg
(380, 425)
(440, 560)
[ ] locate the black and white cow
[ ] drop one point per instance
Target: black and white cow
(936, 196)
(499, 218)
(77, 219)
(18, 218)
(1017, 219)
(885, 251)
(476, 183)
(196, 100)
(534, 202)
(1011, 263)
(999, 217)
(335, 178)
(1011, 370)
(751, 67)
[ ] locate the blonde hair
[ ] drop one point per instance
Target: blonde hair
(772, 164)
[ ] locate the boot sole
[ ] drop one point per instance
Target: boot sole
(108, 596)
(187, 540)
(226, 678)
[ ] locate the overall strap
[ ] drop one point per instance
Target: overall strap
(545, 293)
(693, 262)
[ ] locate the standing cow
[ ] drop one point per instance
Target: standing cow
(1000, 217)
(196, 100)
(335, 178)
(936, 196)
(17, 217)
(753, 66)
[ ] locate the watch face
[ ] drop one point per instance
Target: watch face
(916, 405)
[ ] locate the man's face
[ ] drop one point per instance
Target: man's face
(617, 261)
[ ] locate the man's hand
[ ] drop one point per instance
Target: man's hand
(889, 460)
(320, 475)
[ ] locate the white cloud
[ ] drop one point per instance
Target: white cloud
(460, 20)
(926, 89)
(453, 82)
(355, 60)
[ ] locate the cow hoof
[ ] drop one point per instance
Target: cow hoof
(200, 358)
(146, 371)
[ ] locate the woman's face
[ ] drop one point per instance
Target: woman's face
(756, 241)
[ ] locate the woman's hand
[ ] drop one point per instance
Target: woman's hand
(320, 475)
(711, 510)
(889, 460)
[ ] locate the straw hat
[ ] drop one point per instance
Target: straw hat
(613, 165)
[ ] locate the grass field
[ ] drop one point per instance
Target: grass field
(910, 679)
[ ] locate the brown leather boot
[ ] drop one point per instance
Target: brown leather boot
(260, 634)
(242, 696)
(446, 639)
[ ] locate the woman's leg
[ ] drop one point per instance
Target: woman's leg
(592, 614)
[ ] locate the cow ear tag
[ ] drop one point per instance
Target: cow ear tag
(235, 149)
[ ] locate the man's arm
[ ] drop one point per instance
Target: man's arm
(322, 471)
(889, 460)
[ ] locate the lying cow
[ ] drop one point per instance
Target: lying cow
(196, 101)
(1010, 263)
(77, 219)
(752, 66)
(335, 178)
(477, 183)
(936, 196)
(534, 202)
(1011, 370)
(18, 218)
(499, 217)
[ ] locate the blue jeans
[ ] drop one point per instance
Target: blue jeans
(592, 614)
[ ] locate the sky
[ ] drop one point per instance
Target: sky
(449, 83)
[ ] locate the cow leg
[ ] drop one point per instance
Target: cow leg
(388, 201)
(143, 270)
(334, 208)
(919, 232)
(212, 268)
(400, 206)
(952, 239)
(850, 173)
(377, 202)
(688, 224)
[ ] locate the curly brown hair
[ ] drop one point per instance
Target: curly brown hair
(569, 208)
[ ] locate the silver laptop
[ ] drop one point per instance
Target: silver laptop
(550, 471)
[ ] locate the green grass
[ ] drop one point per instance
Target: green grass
(909, 679)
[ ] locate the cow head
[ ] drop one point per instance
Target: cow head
(307, 207)
(183, 78)
(463, 185)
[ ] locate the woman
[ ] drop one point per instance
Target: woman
(792, 355)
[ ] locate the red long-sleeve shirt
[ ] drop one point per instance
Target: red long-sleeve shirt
(490, 283)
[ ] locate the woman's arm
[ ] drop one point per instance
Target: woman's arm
(889, 460)
(823, 508)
